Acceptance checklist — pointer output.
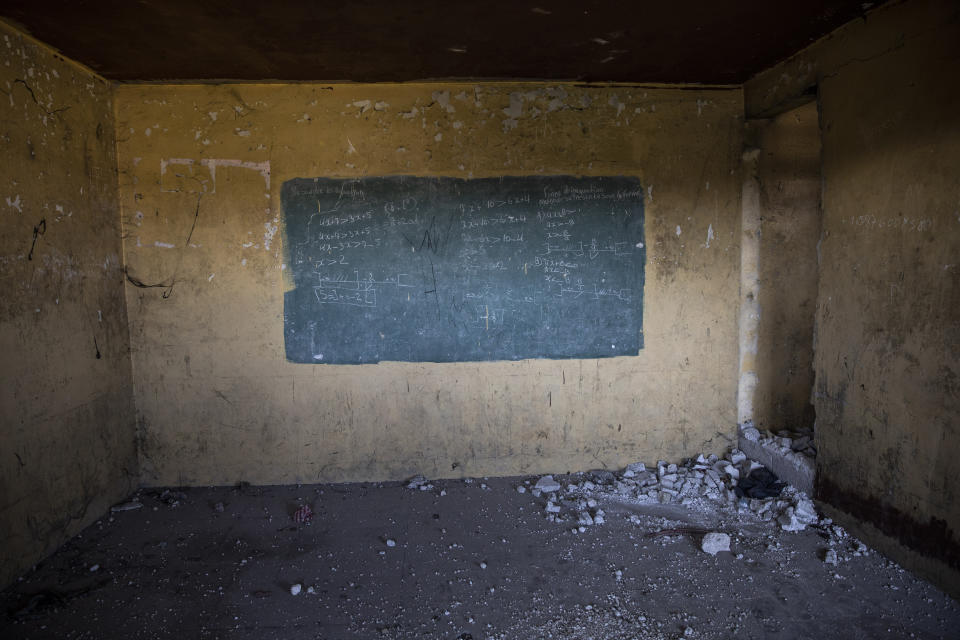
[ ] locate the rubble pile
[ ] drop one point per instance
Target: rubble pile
(706, 479)
(786, 443)
(735, 483)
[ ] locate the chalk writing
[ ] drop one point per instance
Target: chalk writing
(442, 269)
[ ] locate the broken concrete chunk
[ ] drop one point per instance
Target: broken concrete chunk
(830, 557)
(636, 467)
(714, 542)
(547, 484)
(552, 507)
(416, 482)
(603, 476)
(295, 590)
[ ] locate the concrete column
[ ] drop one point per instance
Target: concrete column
(749, 284)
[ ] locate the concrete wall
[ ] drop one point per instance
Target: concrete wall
(200, 172)
(66, 414)
(887, 358)
(788, 173)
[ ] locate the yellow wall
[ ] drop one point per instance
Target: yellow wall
(789, 179)
(216, 400)
(887, 358)
(66, 415)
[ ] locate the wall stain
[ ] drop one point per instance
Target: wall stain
(38, 231)
(933, 538)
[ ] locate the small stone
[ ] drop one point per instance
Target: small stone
(218, 507)
(715, 542)
(552, 507)
(311, 590)
(521, 489)
(547, 484)
(295, 590)
(751, 434)
(830, 557)
(94, 568)
(483, 565)
(126, 506)
(391, 542)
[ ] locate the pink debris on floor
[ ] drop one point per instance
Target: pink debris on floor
(303, 514)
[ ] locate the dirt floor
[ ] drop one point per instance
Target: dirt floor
(462, 560)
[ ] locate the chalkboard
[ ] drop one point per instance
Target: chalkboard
(444, 269)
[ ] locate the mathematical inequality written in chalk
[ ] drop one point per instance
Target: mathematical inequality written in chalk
(445, 269)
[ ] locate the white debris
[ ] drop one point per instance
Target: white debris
(547, 484)
(798, 516)
(95, 567)
(126, 506)
(391, 542)
(295, 590)
(521, 489)
(416, 482)
(715, 542)
(552, 507)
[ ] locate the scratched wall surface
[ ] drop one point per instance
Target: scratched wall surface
(66, 412)
(201, 168)
(887, 391)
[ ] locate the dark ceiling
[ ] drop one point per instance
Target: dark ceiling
(683, 41)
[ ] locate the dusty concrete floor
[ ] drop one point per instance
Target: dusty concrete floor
(480, 561)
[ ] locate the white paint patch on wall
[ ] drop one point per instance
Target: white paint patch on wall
(443, 99)
(164, 245)
(271, 230)
(615, 102)
(263, 168)
(513, 112)
(709, 235)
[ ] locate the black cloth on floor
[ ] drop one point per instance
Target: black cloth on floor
(759, 483)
